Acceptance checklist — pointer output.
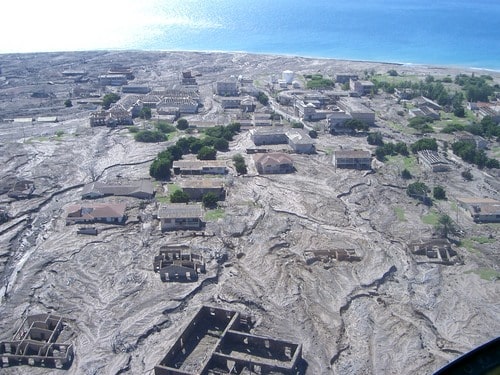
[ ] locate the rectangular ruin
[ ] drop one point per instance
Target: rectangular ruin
(327, 256)
(178, 263)
(38, 342)
(218, 341)
(434, 251)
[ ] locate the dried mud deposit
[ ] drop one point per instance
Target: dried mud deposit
(385, 314)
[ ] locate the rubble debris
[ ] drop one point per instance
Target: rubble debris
(218, 341)
(37, 343)
(178, 263)
(326, 256)
(434, 251)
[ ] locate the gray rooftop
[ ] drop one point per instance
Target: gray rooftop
(180, 210)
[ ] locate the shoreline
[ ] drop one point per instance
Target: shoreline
(292, 56)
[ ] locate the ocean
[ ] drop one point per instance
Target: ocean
(439, 32)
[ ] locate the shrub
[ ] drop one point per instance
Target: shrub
(313, 134)
(262, 98)
(165, 127)
(239, 164)
(149, 136)
(68, 103)
(392, 73)
(467, 175)
(133, 129)
(297, 125)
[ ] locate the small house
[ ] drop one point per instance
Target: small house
(273, 163)
(199, 167)
(196, 188)
(138, 189)
(352, 159)
(112, 213)
(174, 216)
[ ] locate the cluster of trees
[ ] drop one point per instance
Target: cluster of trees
(486, 128)
(150, 136)
(476, 89)
(239, 164)
(419, 190)
(109, 99)
(356, 125)
(386, 149)
(209, 200)
(391, 149)
(316, 81)
(182, 124)
(159, 134)
(205, 148)
(469, 153)
(422, 124)
(424, 144)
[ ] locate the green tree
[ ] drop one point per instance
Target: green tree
(160, 168)
(145, 113)
(68, 103)
(439, 193)
(418, 190)
(467, 175)
(262, 98)
(109, 99)
(182, 124)
(313, 134)
(375, 139)
(405, 174)
(179, 196)
(297, 125)
(220, 144)
(196, 146)
(356, 124)
(392, 73)
(446, 226)
(207, 153)
(239, 164)
(210, 200)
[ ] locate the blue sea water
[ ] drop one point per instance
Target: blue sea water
(443, 32)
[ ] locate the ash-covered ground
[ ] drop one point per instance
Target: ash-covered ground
(385, 314)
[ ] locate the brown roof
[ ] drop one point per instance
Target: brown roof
(273, 158)
(96, 210)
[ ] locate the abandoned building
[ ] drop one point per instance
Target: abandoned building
(352, 159)
(227, 87)
(336, 122)
(297, 139)
(433, 161)
(138, 189)
(39, 341)
(327, 256)
(434, 251)
(174, 216)
(178, 263)
(357, 110)
(273, 163)
(218, 341)
(361, 87)
(482, 210)
(199, 167)
(22, 189)
(196, 188)
(111, 213)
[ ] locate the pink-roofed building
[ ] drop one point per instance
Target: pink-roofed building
(112, 213)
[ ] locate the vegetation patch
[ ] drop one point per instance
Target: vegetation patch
(487, 274)
(431, 218)
(213, 215)
(400, 213)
